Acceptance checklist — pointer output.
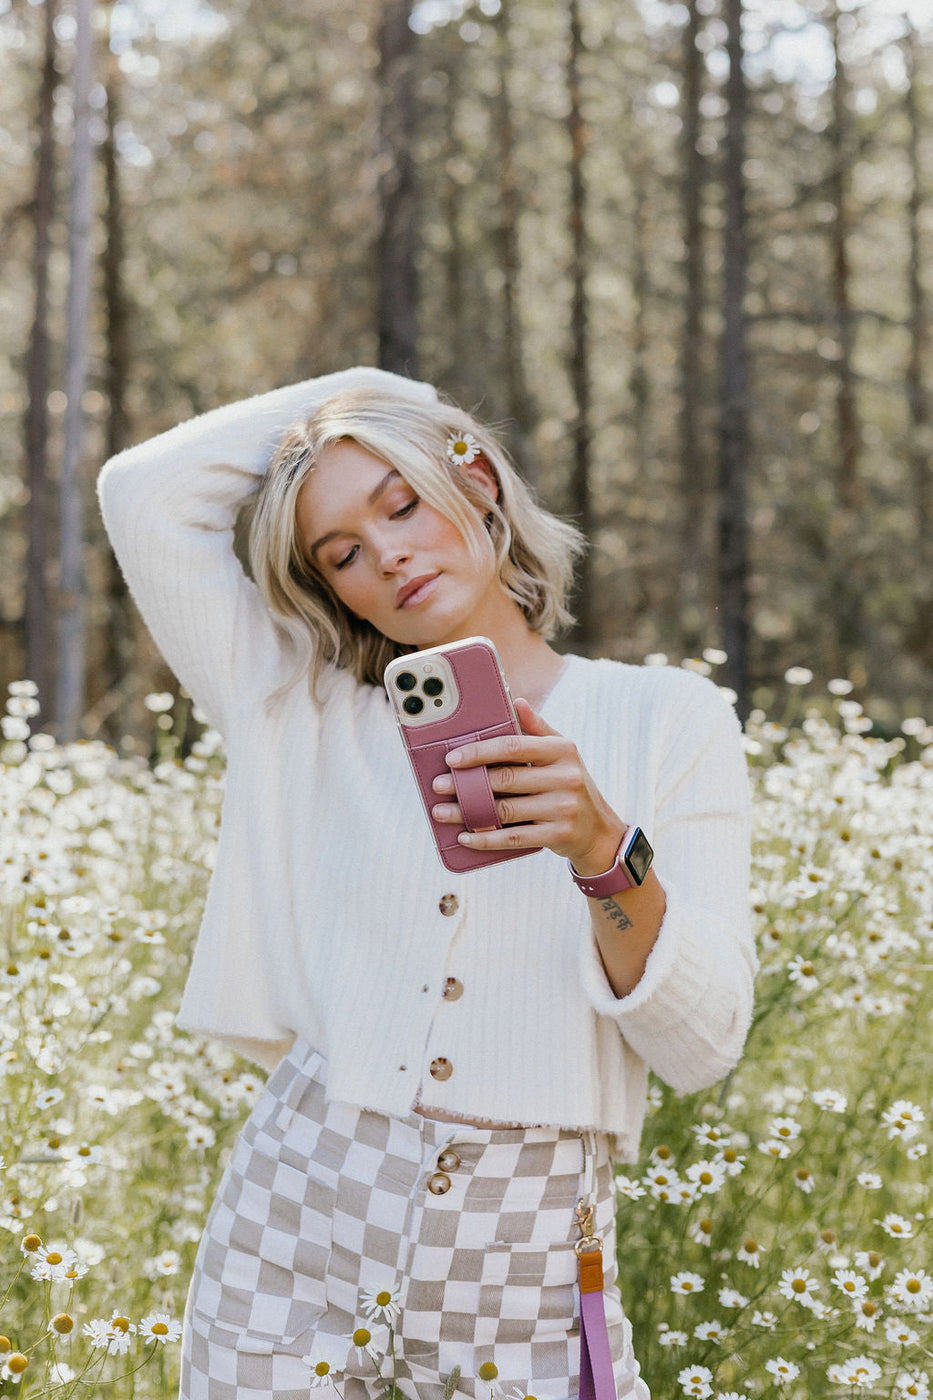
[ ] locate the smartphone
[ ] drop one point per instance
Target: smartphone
(444, 697)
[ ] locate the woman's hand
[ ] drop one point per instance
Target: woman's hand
(544, 797)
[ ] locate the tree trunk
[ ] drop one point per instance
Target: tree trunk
(396, 269)
(581, 494)
(921, 436)
(115, 703)
(848, 483)
(733, 404)
(452, 201)
(71, 609)
(693, 476)
(37, 619)
(510, 205)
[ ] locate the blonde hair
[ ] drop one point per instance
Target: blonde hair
(534, 550)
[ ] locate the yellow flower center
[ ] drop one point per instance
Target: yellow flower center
(913, 1285)
(17, 1363)
(687, 1286)
(488, 1371)
(705, 1178)
(362, 1337)
(868, 1309)
(53, 1257)
(84, 1152)
(5, 1345)
(663, 1153)
(828, 1236)
(159, 1329)
(799, 1285)
(63, 1322)
(751, 1246)
(706, 1226)
(383, 1299)
(848, 1286)
(802, 1174)
(31, 1243)
(322, 1368)
(120, 1324)
(874, 1259)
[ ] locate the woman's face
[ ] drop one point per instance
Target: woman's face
(391, 558)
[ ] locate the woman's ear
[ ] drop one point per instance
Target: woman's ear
(482, 475)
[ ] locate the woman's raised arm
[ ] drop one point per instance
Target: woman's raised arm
(170, 506)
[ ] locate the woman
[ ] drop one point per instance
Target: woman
(457, 1060)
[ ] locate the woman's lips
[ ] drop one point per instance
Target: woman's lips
(422, 589)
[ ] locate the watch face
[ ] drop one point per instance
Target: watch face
(638, 856)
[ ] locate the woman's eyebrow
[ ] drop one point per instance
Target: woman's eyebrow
(371, 500)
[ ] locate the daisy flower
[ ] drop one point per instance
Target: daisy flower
(856, 1371)
(116, 1335)
(707, 1132)
(782, 1370)
(56, 1264)
(897, 1226)
(785, 1129)
(866, 1314)
(382, 1303)
(870, 1181)
(710, 1331)
(695, 1380)
(733, 1162)
(853, 1285)
(915, 1151)
(902, 1119)
(912, 1289)
(327, 1359)
(870, 1262)
(159, 1327)
(670, 1337)
(913, 1383)
(729, 1395)
(766, 1319)
(830, 1100)
(803, 1179)
(701, 1231)
(774, 1147)
(797, 1285)
(732, 1298)
(686, 1282)
(897, 1331)
(801, 971)
(462, 449)
(361, 1339)
(707, 1177)
(625, 1186)
(750, 1253)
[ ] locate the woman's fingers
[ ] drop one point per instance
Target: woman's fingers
(545, 807)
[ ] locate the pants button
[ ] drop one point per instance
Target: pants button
(441, 1068)
(439, 1184)
(448, 1160)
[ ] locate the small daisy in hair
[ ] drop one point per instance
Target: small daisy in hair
(462, 449)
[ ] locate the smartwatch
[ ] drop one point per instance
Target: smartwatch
(631, 865)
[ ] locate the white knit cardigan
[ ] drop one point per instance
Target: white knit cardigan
(326, 912)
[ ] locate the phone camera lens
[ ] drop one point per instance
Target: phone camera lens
(405, 680)
(412, 705)
(433, 685)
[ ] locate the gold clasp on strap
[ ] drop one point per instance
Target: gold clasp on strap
(584, 1217)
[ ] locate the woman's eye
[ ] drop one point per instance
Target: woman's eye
(347, 558)
(405, 509)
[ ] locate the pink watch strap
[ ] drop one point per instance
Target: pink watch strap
(611, 881)
(475, 796)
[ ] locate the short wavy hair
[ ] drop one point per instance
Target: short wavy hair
(535, 551)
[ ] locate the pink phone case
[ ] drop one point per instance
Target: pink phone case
(484, 711)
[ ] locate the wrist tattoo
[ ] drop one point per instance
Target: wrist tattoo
(618, 916)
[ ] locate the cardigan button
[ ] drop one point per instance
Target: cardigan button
(448, 1160)
(439, 1184)
(441, 1068)
(453, 989)
(448, 904)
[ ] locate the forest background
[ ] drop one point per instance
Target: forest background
(677, 250)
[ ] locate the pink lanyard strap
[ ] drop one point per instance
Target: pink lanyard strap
(597, 1381)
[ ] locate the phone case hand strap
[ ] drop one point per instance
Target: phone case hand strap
(475, 796)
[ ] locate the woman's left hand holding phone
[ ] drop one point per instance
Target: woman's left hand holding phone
(544, 796)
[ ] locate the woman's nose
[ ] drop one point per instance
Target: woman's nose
(392, 556)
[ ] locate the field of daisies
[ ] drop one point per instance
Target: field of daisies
(775, 1239)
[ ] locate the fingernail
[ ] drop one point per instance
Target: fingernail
(439, 813)
(454, 757)
(442, 784)
(466, 838)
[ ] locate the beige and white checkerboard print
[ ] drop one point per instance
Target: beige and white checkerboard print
(320, 1201)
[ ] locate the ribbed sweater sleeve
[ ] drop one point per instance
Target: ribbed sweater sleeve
(689, 1014)
(170, 506)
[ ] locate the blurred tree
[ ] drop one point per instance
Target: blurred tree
(399, 224)
(71, 622)
(733, 417)
(37, 612)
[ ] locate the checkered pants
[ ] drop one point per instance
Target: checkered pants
(471, 1228)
